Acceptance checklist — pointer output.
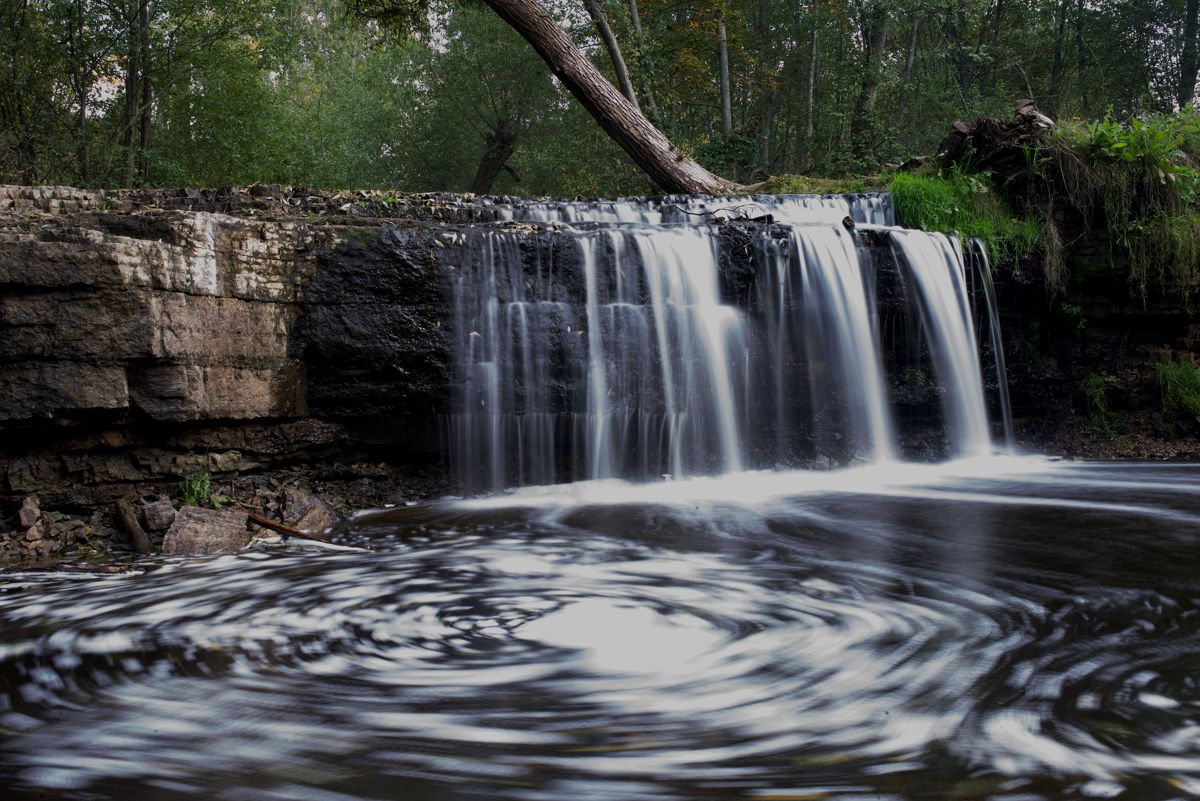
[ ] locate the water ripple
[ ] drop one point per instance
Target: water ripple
(834, 643)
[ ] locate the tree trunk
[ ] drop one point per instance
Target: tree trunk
(1056, 68)
(596, 12)
(1188, 62)
(1081, 60)
(803, 154)
(906, 84)
(643, 70)
(726, 98)
(664, 163)
(147, 100)
(498, 147)
(875, 25)
(83, 91)
(962, 60)
(133, 90)
(988, 71)
(809, 128)
(771, 96)
(81, 142)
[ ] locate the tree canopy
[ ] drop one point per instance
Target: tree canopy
(436, 96)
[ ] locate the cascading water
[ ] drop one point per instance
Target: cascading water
(629, 372)
(982, 271)
(617, 344)
(935, 262)
(869, 208)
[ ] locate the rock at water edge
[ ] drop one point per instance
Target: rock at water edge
(198, 531)
(307, 512)
(158, 515)
(29, 513)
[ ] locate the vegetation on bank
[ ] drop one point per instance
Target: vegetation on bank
(1179, 384)
(967, 203)
(1131, 187)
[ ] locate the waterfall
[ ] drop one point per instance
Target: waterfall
(935, 262)
(867, 208)
(983, 271)
(620, 338)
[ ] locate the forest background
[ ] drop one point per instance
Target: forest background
(109, 93)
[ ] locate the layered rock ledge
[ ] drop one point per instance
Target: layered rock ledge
(150, 336)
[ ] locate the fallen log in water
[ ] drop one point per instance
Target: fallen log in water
(280, 528)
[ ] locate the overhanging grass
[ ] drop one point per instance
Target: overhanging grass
(964, 203)
(1139, 180)
(1179, 384)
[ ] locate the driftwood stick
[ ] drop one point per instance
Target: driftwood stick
(59, 567)
(128, 519)
(276, 526)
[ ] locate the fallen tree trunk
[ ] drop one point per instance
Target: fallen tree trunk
(668, 167)
(280, 528)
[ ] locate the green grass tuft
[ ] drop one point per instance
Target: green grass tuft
(965, 203)
(1179, 384)
(808, 185)
(1095, 394)
(196, 490)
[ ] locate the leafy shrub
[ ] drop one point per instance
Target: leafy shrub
(1140, 180)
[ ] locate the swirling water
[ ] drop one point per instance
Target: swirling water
(1003, 628)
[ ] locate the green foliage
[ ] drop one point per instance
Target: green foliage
(1094, 389)
(965, 203)
(196, 490)
(734, 156)
(1179, 384)
(809, 185)
(1074, 314)
(307, 92)
(1138, 179)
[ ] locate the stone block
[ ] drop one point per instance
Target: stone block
(197, 531)
(29, 513)
(76, 325)
(158, 515)
(41, 389)
(179, 392)
(222, 331)
(307, 512)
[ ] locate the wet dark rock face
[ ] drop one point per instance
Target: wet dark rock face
(1097, 327)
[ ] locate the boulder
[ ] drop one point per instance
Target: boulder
(197, 531)
(29, 513)
(158, 515)
(307, 512)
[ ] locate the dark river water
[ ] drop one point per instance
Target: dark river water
(1004, 629)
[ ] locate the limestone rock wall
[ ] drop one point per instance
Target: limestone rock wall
(148, 336)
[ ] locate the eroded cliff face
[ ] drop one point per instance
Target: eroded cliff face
(141, 343)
